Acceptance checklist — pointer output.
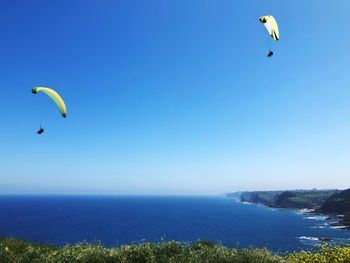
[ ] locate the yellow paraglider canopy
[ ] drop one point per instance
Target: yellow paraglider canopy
(271, 25)
(55, 97)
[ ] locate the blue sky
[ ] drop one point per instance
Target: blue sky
(174, 97)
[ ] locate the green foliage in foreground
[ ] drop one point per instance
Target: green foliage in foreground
(18, 251)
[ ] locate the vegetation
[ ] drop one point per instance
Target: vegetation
(326, 253)
(19, 251)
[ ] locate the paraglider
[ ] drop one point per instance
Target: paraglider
(271, 26)
(56, 98)
(40, 131)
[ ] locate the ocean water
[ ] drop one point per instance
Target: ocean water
(117, 220)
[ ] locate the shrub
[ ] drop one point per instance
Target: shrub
(19, 251)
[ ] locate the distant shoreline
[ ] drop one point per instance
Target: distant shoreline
(269, 199)
(336, 224)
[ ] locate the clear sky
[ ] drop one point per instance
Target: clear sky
(174, 97)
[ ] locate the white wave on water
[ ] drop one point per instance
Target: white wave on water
(309, 241)
(305, 211)
(317, 227)
(339, 227)
(316, 217)
(305, 239)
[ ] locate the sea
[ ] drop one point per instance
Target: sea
(119, 220)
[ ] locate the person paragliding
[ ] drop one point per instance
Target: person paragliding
(56, 98)
(271, 26)
(40, 131)
(270, 54)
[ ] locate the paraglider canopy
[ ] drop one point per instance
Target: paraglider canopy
(55, 97)
(271, 26)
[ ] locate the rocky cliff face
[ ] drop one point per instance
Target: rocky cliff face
(322, 201)
(265, 198)
(298, 199)
(339, 203)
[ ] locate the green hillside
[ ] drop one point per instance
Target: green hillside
(297, 199)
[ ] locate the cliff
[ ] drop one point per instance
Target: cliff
(338, 203)
(298, 199)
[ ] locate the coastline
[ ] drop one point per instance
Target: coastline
(331, 220)
(331, 204)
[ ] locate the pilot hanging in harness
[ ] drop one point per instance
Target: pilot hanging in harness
(40, 131)
(270, 54)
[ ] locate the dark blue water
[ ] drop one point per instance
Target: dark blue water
(119, 220)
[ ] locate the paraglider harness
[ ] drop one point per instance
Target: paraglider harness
(270, 54)
(40, 131)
